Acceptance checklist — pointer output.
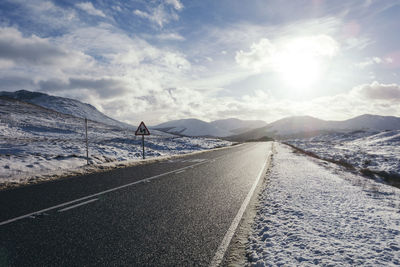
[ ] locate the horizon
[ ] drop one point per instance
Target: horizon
(210, 121)
(166, 60)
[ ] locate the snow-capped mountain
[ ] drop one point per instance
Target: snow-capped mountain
(238, 126)
(65, 105)
(307, 126)
(218, 128)
(192, 127)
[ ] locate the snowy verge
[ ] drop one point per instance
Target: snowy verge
(374, 152)
(77, 166)
(315, 213)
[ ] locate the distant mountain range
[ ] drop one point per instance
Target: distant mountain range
(307, 126)
(298, 126)
(218, 128)
(232, 129)
(65, 106)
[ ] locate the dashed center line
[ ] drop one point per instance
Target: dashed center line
(97, 194)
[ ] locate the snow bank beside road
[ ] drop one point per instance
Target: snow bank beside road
(312, 212)
(32, 159)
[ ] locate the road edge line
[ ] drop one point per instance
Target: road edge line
(223, 247)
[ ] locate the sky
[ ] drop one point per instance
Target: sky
(154, 61)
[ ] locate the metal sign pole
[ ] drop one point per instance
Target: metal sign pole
(143, 145)
(87, 143)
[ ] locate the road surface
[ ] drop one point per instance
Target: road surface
(179, 212)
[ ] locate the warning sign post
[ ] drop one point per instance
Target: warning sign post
(142, 130)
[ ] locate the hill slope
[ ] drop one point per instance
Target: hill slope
(65, 105)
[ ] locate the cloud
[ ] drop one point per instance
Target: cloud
(373, 61)
(160, 14)
(16, 82)
(170, 37)
(378, 91)
(261, 55)
(175, 3)
(90, 9)
(157, 15)
(34, 50)
(103, 87)
(46, 16)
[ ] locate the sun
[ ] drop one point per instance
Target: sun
(299, 71)
(300, 61)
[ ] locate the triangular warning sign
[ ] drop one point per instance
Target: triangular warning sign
(142, 130)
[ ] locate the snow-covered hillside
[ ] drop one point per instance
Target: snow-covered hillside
(192, 127)
(374, 150)
(65, 106)
(36, 142)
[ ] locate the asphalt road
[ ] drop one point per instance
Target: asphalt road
(171, 213)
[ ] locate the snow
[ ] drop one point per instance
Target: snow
(38, 143)
(314, 213)
(375, 150)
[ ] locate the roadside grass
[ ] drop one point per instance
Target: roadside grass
(390, 178)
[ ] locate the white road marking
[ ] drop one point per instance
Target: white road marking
(179, 172)
(220, 253)
(97, 194)
(78, 205)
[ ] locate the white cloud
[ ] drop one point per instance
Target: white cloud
(90, 9)
(47, 14)
(160, 14)
(261, 55)
(171, 36)
(373, 61)
(175, 3)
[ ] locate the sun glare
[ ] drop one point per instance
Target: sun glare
(300, 62)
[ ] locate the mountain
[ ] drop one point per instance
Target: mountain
(191, 127)
(66, 106)
(307, 126)
(217, 128)
(238, 126)
(297, 124)
(22, 119)
(372, 122)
